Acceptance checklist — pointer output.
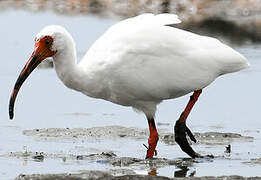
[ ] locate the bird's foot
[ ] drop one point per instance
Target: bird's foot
(181, 130)
(151, 150)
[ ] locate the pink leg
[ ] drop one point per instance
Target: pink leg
(192, 101)
(153, 138)
(181, 130)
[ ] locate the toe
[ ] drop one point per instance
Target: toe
(180, 137)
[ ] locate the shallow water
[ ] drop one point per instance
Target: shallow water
(230, 104)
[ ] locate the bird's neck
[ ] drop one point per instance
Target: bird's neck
(68, 70)
(76, 76)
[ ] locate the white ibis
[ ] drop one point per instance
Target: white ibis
(138, 62)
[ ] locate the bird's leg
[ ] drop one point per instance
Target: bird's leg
(181, 129)
(153, 138)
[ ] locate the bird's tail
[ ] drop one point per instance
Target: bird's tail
(233, 62)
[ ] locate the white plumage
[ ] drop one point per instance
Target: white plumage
(140, 61)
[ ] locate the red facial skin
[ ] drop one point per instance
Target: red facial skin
(42, 50)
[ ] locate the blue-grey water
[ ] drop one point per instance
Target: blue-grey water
(230, 104)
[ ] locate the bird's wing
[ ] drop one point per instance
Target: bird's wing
(148, 19)
(126, 27)
(153, 61)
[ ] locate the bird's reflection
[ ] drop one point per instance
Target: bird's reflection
(153, 172)
(182, 172)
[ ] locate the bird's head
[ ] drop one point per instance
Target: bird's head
(48, 43)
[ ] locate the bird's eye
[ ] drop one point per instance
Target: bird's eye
(47, 42)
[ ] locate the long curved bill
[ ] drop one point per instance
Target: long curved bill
(36, 58)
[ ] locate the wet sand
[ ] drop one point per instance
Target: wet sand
(119, 132)
(123, 167)
(103, 176)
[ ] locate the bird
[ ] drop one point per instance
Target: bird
(138, 62)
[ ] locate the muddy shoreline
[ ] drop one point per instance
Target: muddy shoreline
(123, 167)
(100, 175)
(120, 132)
